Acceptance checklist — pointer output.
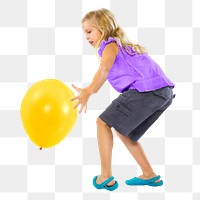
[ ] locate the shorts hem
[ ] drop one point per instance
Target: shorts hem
(133, 138)
(114, 126)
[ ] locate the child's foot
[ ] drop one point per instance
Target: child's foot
(101, 179)
(152, 180)
(106, 184)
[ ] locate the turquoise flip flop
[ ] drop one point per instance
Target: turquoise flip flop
(104, 184)
(150, 182)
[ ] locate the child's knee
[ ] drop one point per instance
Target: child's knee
(100, 122)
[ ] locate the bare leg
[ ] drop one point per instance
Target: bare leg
(137, 152)
(105, 144)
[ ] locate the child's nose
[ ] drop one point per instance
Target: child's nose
(87, 37)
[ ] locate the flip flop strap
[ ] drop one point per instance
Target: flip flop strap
(155, 179)
(107, 181)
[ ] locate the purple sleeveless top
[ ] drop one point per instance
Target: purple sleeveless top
(135, 71)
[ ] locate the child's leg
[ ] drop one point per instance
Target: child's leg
(105, 144)
(137, 152)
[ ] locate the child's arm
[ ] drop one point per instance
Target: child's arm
(108, 57)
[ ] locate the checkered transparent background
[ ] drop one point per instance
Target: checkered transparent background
(42, 39)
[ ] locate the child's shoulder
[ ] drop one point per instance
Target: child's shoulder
(104, 43)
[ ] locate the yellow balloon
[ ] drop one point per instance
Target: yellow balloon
(47, 113)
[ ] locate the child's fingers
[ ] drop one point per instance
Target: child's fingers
(77, 105)
(85, 108)
(76, 88)
(73, 99)
(81, 108)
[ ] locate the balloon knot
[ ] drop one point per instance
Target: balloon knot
(40, 148)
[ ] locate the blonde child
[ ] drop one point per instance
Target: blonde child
(145, 90)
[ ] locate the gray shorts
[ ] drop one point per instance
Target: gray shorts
(133, 112)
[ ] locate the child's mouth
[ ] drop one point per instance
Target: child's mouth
(91, 42)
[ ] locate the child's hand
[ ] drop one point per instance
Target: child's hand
(82, 98)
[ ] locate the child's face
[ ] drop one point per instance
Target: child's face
(92, 34)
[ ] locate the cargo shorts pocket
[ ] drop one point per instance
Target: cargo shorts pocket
(118, 106)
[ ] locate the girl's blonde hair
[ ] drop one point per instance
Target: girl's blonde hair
(105, 22)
